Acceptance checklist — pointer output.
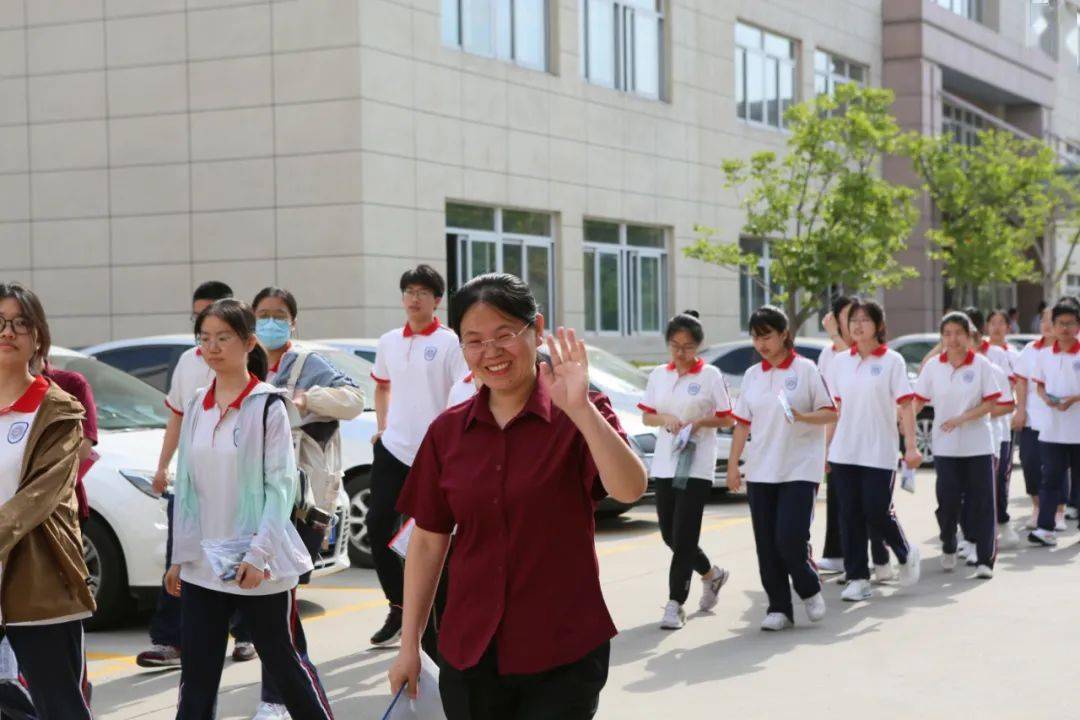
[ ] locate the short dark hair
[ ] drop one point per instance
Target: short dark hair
(995, 312)
(1065, 306)
(212, 290)
(33, 311)
(506, 293)
(839, 303)
(689, 321)
(239, 316)
(1042, 306)
(280, 293)
(1013, 311)
(957, 318)
(769, 318)
(875, 312)
(425, 276)
(977, 318)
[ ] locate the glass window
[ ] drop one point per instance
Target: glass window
(651, 287)
(482, 257)
(152, 364)
(646, 54)
(970, 9)
(609, 292)
(831, 71)
(737, 361)
(600, 42)
(963, 125)
(643, 236)
(625, 278)
(601, 232)
(1042, 26)
(526, 223)
(590, 289)
(624, 45)
(514, 30)
(473, 217)
(123, 402)
(514, 258)
(755, 290)
(765, 75)
(1072, 38)
(539, 275)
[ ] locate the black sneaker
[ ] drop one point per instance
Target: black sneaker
(390, 632)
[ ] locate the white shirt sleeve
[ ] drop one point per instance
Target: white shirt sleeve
(721, 398)
(742, 412)
(177, 394)
(381, 372)
(456, 365)
(1038, 373)
(923, 384)
(648, 403)
(901, 385)
(991, 384)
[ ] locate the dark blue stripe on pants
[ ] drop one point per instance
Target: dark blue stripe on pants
(781, 514)
(1031, 460)
(1058, 460)
(967, 484)
(866, 510)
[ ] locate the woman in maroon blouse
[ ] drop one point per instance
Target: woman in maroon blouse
(517, 470)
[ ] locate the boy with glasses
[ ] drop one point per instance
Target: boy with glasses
(415, 368)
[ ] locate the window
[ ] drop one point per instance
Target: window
(483, 239)
(1072, 284)
(1072, 153)
(153, 364)
(963, 125)
(831, 71)
(1072, 38)
(971, 9)
(764, 76)
(625, 278)
(514, 30)
(1042, 25)
(624, 42)
(755, 290)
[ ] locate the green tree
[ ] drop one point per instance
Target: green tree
(828, 216)
(994, 202)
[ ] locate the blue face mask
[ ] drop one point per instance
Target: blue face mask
(272, 333)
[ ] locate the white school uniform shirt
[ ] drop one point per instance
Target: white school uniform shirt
(697, 393)
(955, 390)
(421, 368)
(190, 376)
(1004, 359)
(463, 390)
(1058, 371)
(780, 451)
(825, 358)
(868, 392)
(1037, 410)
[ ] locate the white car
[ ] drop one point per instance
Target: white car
(153, 359)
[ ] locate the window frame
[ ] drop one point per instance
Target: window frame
(458, 41)
(629, 280)
(832, 80)
(963, 124)
(742, 55)
(765, 282)
(624, 65)
(1049, 48)
(968, 9)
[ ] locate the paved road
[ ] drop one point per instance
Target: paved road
(948, 647)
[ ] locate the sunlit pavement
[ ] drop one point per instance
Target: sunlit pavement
(951, 647)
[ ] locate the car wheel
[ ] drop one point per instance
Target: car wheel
(923, 433)
(358, 487)
(107, 574)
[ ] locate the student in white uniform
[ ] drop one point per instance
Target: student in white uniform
(872, 390)
(964, 387)
(783, 471)
(1057, 377)
(685, 393)
(237, 483)
(1031, 415)
(463, 390)
(415, 368)
(45, 593)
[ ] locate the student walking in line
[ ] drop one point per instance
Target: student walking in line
(324, 396)
(784, 402)
(517, 470)
(44, 596)
(964, 388)
(189, 376)
(1057, 377)
(685, 396)
(871, 386)
(415, 368)
(1031, 415)
(235, 546)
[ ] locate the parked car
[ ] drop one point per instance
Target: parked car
(734, 358)
(153, 360)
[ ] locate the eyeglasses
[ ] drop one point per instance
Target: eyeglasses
(418, 294)
(19, 325)
(688, 348)
(503, 341)
(268, 315)
(216, 340)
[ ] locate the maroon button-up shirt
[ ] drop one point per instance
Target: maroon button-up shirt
(524, 571)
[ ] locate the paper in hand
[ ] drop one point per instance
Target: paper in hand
(428, 703)
(786, 405)
(907, 478)
(400, 542)
(681, 439)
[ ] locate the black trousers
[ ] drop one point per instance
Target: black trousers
(866, 510)
(1031, 460)
(781, 514)
(966, 487)
(834, 543)
(387, 478)
(1002, 478)
(1059, 460)
(273, 620)
(52, 658)
(679, 512)
(568, 692)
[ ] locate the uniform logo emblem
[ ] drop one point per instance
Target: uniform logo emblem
(1076, 365)
(17, 432)
(236, 436)
(969, 376)
(429, 352)
(693, 389)
(875, 370)
(791, 383)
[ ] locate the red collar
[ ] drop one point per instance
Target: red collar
(288, 347)
(31, 399)
(836, 348)
(426, 331)
(1040, 344)
(209, 400)
(1075, 348)
(694, 369)
(878, 351)
(766, 366)
(984, 347)
(968, 359)
(1004, 345)
(198, 351)
(468, 378)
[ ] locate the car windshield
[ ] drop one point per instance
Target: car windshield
(737, 361)
(123, 402)
(616, 378)
(914, 352)
(355, 367)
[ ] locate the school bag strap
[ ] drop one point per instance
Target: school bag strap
(295, 371)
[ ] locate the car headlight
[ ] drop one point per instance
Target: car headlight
(647, 442)
(141, 480)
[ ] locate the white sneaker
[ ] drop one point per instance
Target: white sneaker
(775, 622)
(830, 566)
(964, 548)
(973, 558)
(856, 591)
(911, 570)
(270, 711)
(710, 589)
(984, 572)
(1033, 522)
(1007, 537)
(1038, 536)
(1071, 513)
(1059, 523)
(884, 573)
(815, 607)
(674, 616)
(948, 561)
